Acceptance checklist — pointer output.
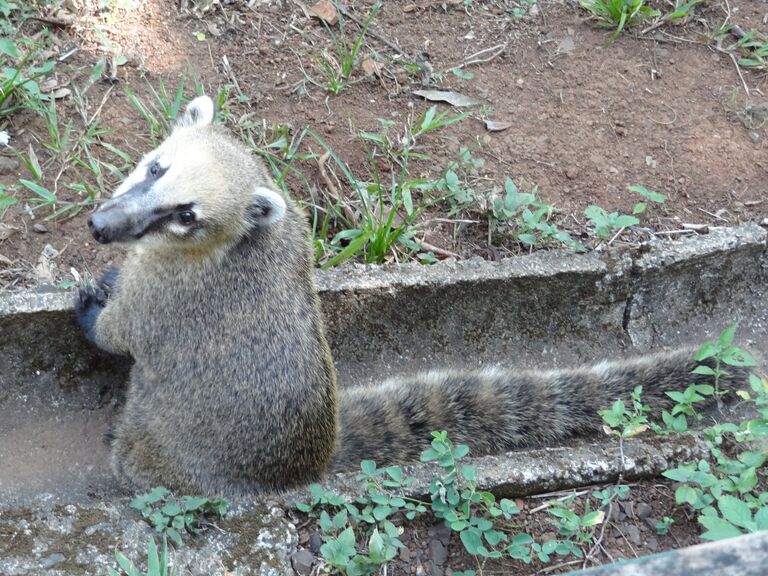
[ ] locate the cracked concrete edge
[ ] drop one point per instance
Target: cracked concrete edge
(359, 277)
(254, 539)
(741, 556)
(543, 470)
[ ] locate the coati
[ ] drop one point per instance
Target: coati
(233, 389)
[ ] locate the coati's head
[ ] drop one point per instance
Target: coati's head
(199, 189)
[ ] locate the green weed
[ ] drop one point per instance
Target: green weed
(158, 564)
(69, 148)
(752, 46)
(385, 203)
(663, 526)
(607, 224)
(726, 493)
(6, 200)
(336, 67)
(162, 110)
(527, 218)
(19, 60)
(484, 524)
(173, 516)
(619, 14)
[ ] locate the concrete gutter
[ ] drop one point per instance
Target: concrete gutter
(58, 395)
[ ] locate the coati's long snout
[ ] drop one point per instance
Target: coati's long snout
(132, 215)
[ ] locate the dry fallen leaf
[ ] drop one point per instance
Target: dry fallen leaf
(496, 125)
(453, 98)
(6, 231)
(325, 11)
(370, 66)
(61, 93)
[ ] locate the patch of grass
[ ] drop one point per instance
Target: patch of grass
(6, 200)
(619, 14)
(158, 563)
(336, 67)
(20, 62)
(162, 109)
(382, 227)
(69, 148)
(173, 516)
(751, 45)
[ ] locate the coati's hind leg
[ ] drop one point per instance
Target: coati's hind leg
(139, 461)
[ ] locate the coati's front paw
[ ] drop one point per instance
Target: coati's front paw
(108, 280)
(89, 304)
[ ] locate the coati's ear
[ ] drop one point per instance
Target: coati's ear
(199, 112)
(268, 206)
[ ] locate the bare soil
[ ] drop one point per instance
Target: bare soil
(667, 110)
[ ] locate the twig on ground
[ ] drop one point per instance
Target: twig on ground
(333, 191)
(437, 250)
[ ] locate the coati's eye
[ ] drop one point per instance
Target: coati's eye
(154, 169)
(187, 217)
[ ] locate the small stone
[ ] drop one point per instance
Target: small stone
(52, 560)
(302, 561)
(315, 541)
(632, 533)
(39, 228)
(8, 165)
(405, 555)
(571, 173)
(441, 533)
(643, 510)
(652, 544)
(754, 136)
(91, 530)
(326, 11)
(520, 82)
(437, 552)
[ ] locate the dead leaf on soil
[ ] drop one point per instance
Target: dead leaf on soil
(453, 98)
(370, 66)
(61, 93)
(325, 11)
(426, 4)
(496, 125)
(6, 231)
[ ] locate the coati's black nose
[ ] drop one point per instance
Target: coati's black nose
(98, 229)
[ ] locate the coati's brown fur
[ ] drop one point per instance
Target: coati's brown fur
(233, 388)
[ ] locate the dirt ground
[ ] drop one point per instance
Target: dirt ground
(666, 110)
